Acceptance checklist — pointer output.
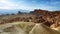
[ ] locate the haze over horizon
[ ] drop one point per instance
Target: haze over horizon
(30, 4)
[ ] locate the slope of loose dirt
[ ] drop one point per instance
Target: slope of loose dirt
(42, 29)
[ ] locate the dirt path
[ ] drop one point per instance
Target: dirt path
(12, 28)
(42, 29)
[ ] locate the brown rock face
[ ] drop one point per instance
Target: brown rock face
(37, 16)
(48, 17)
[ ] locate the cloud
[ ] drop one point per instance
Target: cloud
(5, 4)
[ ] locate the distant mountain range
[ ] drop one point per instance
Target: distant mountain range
(10, 11)
(6, 11)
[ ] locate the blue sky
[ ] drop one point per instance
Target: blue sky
(30, 4)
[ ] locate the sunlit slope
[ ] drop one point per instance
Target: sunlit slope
(42, 29)
(16, 28)
(25, 28)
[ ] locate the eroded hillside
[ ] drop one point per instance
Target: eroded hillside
(50, 19)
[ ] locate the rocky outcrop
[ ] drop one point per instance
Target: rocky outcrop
(37, 16)
(47, 17)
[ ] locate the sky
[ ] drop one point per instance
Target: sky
(30, 4)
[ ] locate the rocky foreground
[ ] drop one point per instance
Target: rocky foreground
(25, 28)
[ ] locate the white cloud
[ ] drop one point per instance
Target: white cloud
(5, 4)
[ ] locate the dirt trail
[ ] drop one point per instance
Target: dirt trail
(42, 29)
(13, 28)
